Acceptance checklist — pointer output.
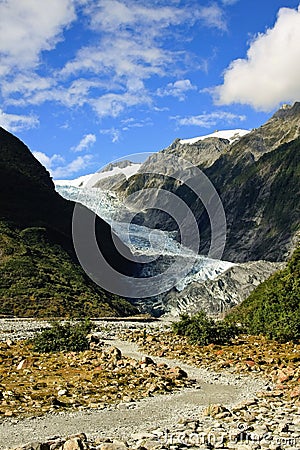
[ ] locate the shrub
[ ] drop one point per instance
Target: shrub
(63, 336)
(273, 308)
(200, 329)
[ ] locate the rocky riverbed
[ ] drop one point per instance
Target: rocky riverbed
(233, 405)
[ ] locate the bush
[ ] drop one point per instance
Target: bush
(273, 308)
(200, 329)
(63, 336)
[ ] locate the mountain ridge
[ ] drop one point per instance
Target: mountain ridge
(39, 270)
(257, 179)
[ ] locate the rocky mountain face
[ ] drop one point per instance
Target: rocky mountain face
(215, 296)
(224, 292)
(39, 271)
(256, 177)
(283, 127)
(204, 153)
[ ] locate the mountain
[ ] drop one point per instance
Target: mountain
(222, 293)
(257, 178)
(107, 178)
(39, 272)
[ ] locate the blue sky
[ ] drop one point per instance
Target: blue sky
(84, 82)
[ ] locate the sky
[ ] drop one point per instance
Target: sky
(84, 82)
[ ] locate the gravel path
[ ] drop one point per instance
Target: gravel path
(149, 413)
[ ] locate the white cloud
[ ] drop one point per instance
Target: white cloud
(177, 89)
(29, 89)
(75, 166)
(208, 120)
(271, 72)
(87, 141)
(25, 84)
(130, 49)
(115, 14)
(212, 16)
(229, 2)
(28, 27)
(113, 133)
(58, 168)
(126, 124)
(16, 122)
(113, 104)
(133, 123)
(48, 161)
(111, 74)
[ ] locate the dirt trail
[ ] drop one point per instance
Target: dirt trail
(149, 413)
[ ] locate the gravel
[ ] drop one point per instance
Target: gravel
(125, 419)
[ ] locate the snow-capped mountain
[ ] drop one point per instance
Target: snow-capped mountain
(230, 135)
(125, 168)
(77, 182)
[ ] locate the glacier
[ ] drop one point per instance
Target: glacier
(155, 244)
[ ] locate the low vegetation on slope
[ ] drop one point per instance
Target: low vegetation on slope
(200, 329)
(273, 308)
(40, 279)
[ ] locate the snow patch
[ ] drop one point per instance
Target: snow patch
(83, 181)
(230, 135)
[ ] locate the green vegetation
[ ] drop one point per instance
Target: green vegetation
(63, 336)
(202, 330)
(39, 279)
(273, 308)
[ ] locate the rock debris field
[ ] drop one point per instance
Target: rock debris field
(141, 388)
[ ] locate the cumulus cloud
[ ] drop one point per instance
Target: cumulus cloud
(208, 120)
(48, 161)
(86, 142)
(57, 166)
(177, 89)
(271, 72)
(72, 168)
(27, 28)
(113, 104)
(130, 48)
(131, 44)
(16, 122)
(30, 89)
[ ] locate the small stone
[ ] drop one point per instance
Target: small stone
(177, 373)
(147, 361)
(115, 445)
(295, 392)
(21, 364)
(62, 392)
(73, 444)
(214, 410)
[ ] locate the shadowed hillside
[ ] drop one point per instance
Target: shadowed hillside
(39, 272)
